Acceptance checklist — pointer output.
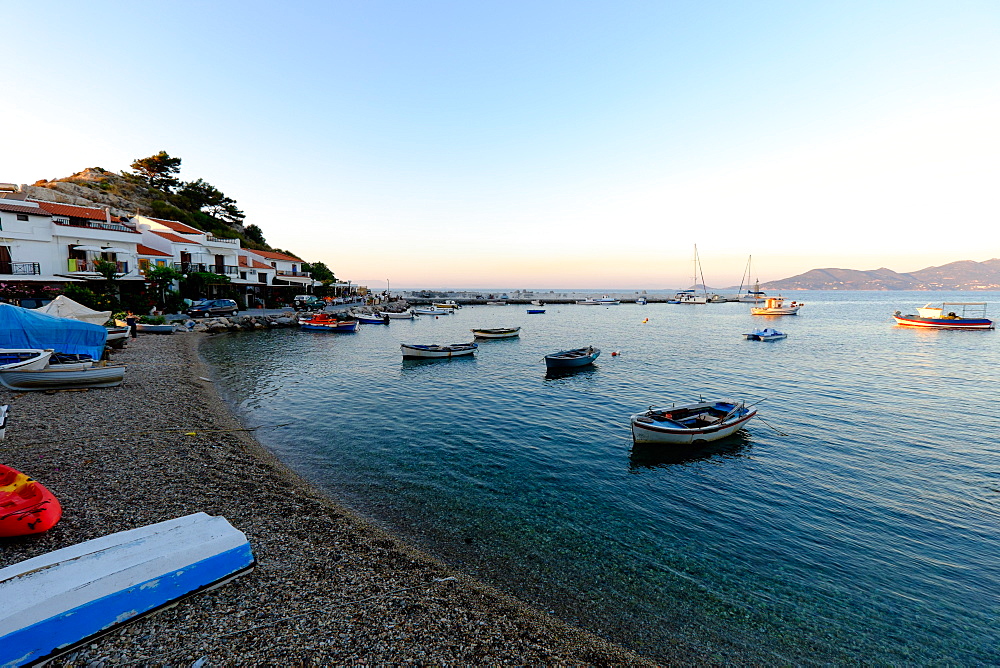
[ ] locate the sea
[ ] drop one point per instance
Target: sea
(855, 521)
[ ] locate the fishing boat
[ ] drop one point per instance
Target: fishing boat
(497, 333)
(433, 310)
(117, 336)
(405, 315)
(776, 306)
(22, 328)
(691, 423)
(536, 302)
(371, 319)
(26, 506)
(590, 301)
(25, 359)
(535, 311)
(766, 334)
(54, 378)
(948, 315)
(608, 301)
(63, 599)
(450, 305)
(641, 301)
(420, 352)
(569, 359)
(325, 322)
(496, 303)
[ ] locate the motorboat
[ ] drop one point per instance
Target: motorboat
(641, 301)
(695, 423)
(405, 315)
(450, 305)
(497, 333)
(947, 315)
(326, 322)
(25, 359)
(371, 319)
(496, 303)
(590, 301)
(766, 334)
(570, 359)
(776, 306)
(688, 297)
(608, 301)
(433, 351)
(53, 378)
(60, 600)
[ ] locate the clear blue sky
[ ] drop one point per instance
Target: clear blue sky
(537, 144)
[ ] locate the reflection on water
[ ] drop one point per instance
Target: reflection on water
(852, 522)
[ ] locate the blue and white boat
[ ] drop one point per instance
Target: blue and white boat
(66, 598)
(690, 424)
(766, 334)
(369, 319)
(571, 359)
(433, 351)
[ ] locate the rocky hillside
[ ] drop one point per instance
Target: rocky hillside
(963, 275)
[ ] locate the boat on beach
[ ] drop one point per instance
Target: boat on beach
(571, 359)
(54, 378)
(66, 362)
(776, 306)
(60, 600)
(766, 334)
(947, 316)
(497, 333)
(26, 506)
(688, 424)
(25, 359)
(433, 351)
(147, 328)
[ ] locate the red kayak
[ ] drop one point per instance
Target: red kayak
(26, 507)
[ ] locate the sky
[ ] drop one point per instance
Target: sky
(517, 144)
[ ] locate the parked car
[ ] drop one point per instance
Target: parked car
(209, 307)
(308, 303)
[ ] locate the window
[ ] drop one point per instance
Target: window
(22, 216)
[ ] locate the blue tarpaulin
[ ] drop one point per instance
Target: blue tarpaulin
(25, 328)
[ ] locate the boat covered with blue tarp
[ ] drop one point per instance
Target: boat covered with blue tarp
(26, 328)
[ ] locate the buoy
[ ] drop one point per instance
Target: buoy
(615, 353)
(645, 321)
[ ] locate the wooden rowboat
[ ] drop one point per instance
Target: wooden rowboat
(26, 359)
(419, 352)
(56, 379)
(64, 599)
(570, 359)
(498, 333)
(701, 422)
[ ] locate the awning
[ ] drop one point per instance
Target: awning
(92, 249)
(304, 280)
(114, 249)
(42, 279)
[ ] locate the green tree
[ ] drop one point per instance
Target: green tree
(254, 233)
(162, 278)
(203, 196)
(319, 271)
(158, 170)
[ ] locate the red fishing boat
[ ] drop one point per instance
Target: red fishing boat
(26, 506)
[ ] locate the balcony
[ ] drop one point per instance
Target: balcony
(282, 272)
(209, 237)
(96, 225)
(89, 266)
(193, 267)
(20, 268)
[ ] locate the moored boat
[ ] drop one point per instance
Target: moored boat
(53, 378)
(26, 506)
(405, 315)
(569, 359)
(641, 301)
(62, 599)
(687, 297)
(371, 319)
(690, 423)
(433, 351)
(766, 334)
(497, 333)
(450, 305)
(433, 310)
(535, 311)
(325, 322)
(25, 359)
(776, 306)
(946, 316)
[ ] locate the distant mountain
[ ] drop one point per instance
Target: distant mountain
(962, 275)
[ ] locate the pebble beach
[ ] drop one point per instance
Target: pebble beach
(329, 587)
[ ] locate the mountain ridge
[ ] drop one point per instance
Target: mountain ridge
(966, 275)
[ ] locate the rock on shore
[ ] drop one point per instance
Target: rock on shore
(328, 589)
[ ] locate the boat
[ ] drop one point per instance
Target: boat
(569, 359)
(433, 310)
(25, 359)
(117, 336)
(590, 301)
(370, 319)
(419, 352)
(687, 297)
(641, 301)
(27, 328)
(947, 316)
(766, 334)
(326, 322)
(496, 303)
(148, 328)
(498, 333)
(691, 423)
(532, 311)
(450, 305)
(776, 306)
(608, 301)
(536, 302)
(66, 598)
(755, 296)
(405, 315)
(53, 378)
(26, 506)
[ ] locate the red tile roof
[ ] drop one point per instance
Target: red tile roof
(277, 256)
(146, 250)
(177, 226)
(16, 207)
(173, 237)
(76, 211)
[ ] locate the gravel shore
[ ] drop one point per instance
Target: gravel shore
(329, 588)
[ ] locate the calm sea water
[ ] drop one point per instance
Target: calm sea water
(856, 521)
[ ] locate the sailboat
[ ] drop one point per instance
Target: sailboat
(754, 296)
(689, 296)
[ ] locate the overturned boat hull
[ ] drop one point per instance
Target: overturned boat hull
(57, 379)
